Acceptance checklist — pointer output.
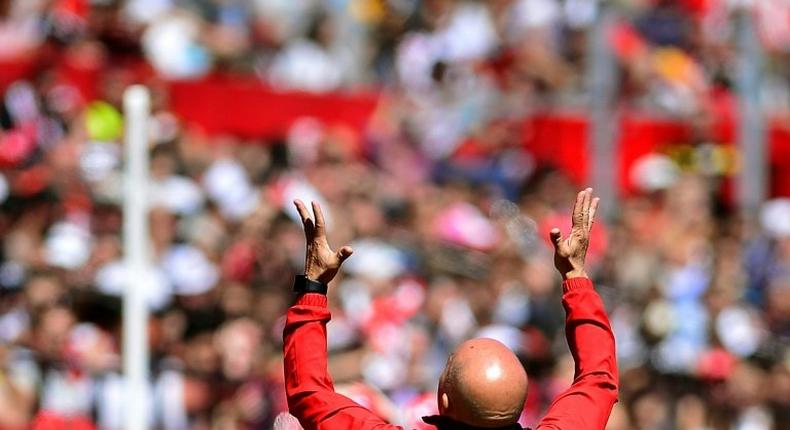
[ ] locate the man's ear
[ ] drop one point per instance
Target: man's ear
(444, 404)
(443, 399)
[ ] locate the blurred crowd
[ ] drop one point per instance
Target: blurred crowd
(447, 213)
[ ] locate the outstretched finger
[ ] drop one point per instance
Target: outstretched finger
(556, 237)
(302, 209)
(578, 209)
(304, 214)
(593, 208)
(586, 207)
(343, 253)
(319, 219)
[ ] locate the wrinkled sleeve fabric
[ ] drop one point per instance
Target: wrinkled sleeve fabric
(311, 394)
(586, 405)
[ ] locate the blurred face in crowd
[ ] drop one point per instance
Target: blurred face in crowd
(43, 291)
(52, 330)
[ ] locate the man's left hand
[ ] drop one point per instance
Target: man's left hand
(321, 263)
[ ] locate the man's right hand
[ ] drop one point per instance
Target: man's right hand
(569, 253)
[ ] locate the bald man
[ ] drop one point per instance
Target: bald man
(483, 385)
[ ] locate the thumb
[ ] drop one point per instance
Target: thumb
(556, 237)
(343, 253)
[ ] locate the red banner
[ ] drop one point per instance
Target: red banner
(560, 139)
(245, 107)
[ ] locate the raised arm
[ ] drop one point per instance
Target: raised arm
(309, 388)
(586, 405)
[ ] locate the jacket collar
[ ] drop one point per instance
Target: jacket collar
(445, 423)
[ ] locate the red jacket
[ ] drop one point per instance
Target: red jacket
(584, 406)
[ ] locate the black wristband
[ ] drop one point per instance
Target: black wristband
(303, 284)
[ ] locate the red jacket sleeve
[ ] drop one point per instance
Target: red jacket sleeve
(586, 405)
(311, 394)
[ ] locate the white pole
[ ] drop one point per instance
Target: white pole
(136, 103)
(752, 185)
(602, 81)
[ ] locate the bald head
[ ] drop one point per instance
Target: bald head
(483, 385)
